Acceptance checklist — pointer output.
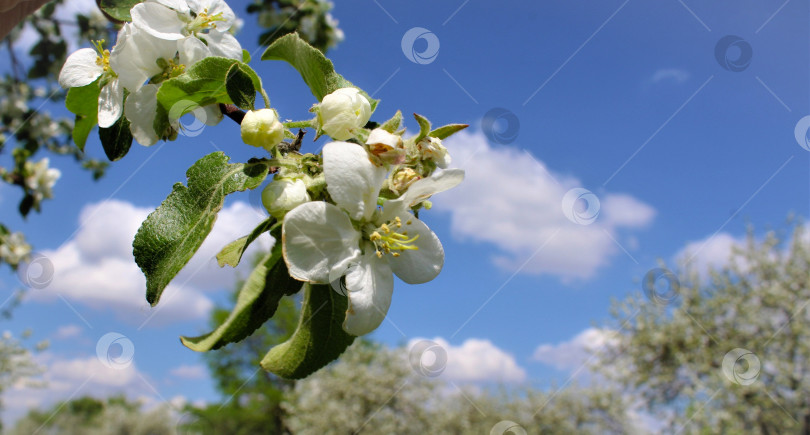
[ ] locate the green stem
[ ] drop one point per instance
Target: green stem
(266, 98)
(299, 124)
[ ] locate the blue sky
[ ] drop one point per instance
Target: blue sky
(624, 98)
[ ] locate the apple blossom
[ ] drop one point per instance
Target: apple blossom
(343, 112)
(84, 67)
(323, 240)
(14, 248)
(178, 20)
(39, 179)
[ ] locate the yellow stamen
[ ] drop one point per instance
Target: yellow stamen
(388, 241)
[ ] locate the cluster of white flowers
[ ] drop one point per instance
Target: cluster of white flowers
(40, 179)
(164, 38)
(361, 227)
(13, 248)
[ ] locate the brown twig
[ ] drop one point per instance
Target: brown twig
(233, 112)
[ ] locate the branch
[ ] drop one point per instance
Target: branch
(233, 112)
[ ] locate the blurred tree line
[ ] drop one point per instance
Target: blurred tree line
(706, 351)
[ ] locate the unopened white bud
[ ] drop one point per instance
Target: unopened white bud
(261, 128)
(283, 195)
(342, 112)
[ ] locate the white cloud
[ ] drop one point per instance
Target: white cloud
(96, 268)
(670, 74)
(476, 360)
(68, 331)
(571, 355)
(514, 201)
(186, 371)
(713, 252)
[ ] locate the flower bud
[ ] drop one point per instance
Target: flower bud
(261, 128)
(431, 148)
(386, 147)
(342, 112)
(283, 195)
(402, 179)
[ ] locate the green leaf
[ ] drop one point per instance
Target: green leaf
(319, 338)
(83, 101)
(232, 253)
(116, 139)
(170, 236)
(202, 84)
(245, 56)
(82, 127)
(424, 127)
(240, 88)
(257, 301)
(392, 125)
(316, 70)
(118, 9)
(446, 131)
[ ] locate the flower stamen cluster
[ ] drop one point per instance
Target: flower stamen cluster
(389, 241)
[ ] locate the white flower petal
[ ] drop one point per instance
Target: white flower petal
(223, 44)
(351, 179)
(158, 20)
(318, 238)
(422, 190)
(80, 69)
(370, 286)
(134, 57)
(140, 109)
(192, 50)
(214, 7)
(421, 265)
(110, 103)
(178, 5)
